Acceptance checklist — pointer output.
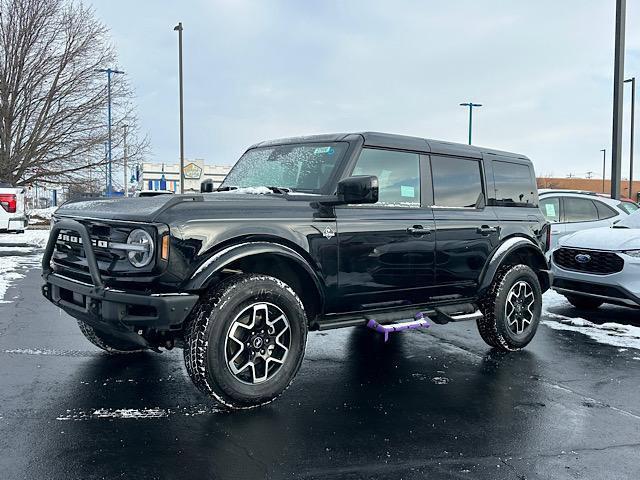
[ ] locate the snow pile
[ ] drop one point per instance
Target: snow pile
(252, 190)
(41, 215)
(17, 253)
(616, 334)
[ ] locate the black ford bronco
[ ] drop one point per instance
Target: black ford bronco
(307, 233)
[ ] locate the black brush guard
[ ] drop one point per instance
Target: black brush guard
(114, 312)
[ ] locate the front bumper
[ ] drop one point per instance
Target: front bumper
(114, 311)
(620, 288)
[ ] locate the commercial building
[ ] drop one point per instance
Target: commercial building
(166, 176)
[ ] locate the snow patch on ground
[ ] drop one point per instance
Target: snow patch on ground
(135, 413)
(615, 334)
(17, 253)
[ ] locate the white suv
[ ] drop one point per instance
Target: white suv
(13, 217)
(571, 211)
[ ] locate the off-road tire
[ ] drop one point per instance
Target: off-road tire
(583, 302)
(207, 328)
(114, 347)
(493, 326)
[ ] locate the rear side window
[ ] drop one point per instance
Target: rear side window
(457, 182)
(551, 208)
(398, 176)
(579, 210)
(604, 211)
(514, 185)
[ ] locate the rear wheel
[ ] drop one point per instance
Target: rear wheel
(245, 341)
(115, 347)
(583, 302)
(511, 308)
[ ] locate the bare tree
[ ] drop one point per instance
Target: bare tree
(53, 98)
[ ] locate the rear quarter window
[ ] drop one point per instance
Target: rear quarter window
(514, 185)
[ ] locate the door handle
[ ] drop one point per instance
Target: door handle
(418, 230)
(486, 230)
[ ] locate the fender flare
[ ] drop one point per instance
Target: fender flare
(505, 249)
(215, 263)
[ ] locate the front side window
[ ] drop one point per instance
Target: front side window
(299, 167)
(514, 185)
(579, 210)
(551, 208)
(398, 176)
(457, 182)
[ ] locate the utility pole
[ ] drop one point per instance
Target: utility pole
(632, 80)
(589, 174)
(126, 179)
(106, 168)
(470, 105)
(604, 162)
(109, 71)
(618, 78)
(178, 28)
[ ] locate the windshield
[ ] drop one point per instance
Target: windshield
(628, 207)
(632, 221)
(300, 167)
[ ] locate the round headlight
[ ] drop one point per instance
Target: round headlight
(141, 252)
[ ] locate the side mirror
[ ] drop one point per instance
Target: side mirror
(206, 186)
(360, 189)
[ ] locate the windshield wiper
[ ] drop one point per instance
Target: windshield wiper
(225, 188)
(281, 190)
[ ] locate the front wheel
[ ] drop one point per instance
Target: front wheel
(245, 341)
(511, 308)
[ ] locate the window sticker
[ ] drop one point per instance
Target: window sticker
(550, 209)
(320, 150)
(407, 191)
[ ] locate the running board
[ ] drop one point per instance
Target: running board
(440, 315)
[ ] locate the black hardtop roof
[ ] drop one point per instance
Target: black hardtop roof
(391, 140)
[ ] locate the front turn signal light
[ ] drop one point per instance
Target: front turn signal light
(164, 250)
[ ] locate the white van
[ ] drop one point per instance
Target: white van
(13, 217)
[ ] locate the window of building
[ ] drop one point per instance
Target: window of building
(514, 185)
(457, 182)
(398, 176)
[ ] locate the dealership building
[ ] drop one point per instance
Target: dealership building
(166, 176)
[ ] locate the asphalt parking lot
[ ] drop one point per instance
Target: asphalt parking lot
(432, 404)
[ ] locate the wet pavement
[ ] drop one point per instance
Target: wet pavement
(434, 404)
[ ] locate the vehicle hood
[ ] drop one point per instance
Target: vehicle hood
(605, 238)
(167, 208)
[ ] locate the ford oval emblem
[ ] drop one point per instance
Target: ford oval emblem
(583, 258)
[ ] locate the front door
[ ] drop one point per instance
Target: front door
(386, 250)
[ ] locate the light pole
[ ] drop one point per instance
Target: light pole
(126, 186)
(470, 105)
(178, 28)
(109, 71)
(618, 79)
(632, 80)
(604, 162)
(106, 168)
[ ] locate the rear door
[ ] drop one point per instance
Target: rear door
(580, 213)
(386, 250)
(467, 230)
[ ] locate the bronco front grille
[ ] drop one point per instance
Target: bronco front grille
(588, 261)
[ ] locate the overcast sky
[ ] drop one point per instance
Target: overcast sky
(255, 70)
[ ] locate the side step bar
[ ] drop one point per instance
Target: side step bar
(439, 315)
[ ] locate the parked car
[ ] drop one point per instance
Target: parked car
(570, 211)
(13, 217)
(309, 233)
(600, 265)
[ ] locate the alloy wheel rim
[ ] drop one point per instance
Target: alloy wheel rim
(257, 343)
(518, 309)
